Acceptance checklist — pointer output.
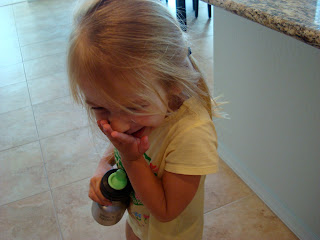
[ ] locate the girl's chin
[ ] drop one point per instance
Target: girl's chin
(140, 133)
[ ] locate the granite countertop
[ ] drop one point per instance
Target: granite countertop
(297, 18)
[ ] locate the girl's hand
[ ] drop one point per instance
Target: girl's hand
(94, 188)
(95, 193)
(130, 148)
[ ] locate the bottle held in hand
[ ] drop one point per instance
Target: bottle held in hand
(115, 186)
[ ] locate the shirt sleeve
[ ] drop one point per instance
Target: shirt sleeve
(193, 151)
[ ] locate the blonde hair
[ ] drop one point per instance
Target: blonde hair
(139, 38)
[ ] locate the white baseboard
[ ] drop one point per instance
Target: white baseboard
(270, 199)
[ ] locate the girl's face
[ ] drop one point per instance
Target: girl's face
(122, 121)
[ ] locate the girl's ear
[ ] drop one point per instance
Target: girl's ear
(175, 90)
(175, 98)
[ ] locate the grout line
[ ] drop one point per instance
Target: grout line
(42, 57)
(23, 198)
(48, 55)
(51, 39)
(13, 3)
(29, 106)
(44, 164)
(231, 203)
(46, 101)
(61, 25)
(39, 139)
(48, 190)
(67, 184)
(32, 79)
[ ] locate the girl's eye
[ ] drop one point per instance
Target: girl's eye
(133, 109)
(97, 108)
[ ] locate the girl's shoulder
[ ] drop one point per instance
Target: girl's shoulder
(193, 110)
(191, 115)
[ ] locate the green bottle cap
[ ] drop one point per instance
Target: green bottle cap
(118, 180)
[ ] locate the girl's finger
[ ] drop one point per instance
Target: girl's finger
(110, 134)
(122, 138)
(99, 125)
(103, 200)
(99, 199)
(96, 195)
(103, 121)
(93, 196)
(107, 128)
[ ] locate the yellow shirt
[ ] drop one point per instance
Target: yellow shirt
(185, 143)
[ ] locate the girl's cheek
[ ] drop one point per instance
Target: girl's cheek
(152, 121)
(101, 116)
(142, 120)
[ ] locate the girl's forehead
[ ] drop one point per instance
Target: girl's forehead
(107, 95)
(100, 96)
(120, 87)
(103, 102)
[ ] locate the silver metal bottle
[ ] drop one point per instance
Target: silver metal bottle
(110, 215)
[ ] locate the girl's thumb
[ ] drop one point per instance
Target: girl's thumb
(144, 144)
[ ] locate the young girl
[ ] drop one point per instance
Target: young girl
(129, 63)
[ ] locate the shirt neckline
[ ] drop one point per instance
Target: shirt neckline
(185, 105)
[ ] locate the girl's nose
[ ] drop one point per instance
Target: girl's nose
(119, 124)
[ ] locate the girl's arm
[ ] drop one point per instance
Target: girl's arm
(165, 198)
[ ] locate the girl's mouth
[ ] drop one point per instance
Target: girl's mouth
(139, 133)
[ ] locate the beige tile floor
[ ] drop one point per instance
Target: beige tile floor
(47, 151)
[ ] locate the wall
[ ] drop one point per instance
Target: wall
(272, 82)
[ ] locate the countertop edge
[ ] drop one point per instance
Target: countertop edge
(295, 30)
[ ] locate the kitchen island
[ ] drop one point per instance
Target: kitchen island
(267, 65)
